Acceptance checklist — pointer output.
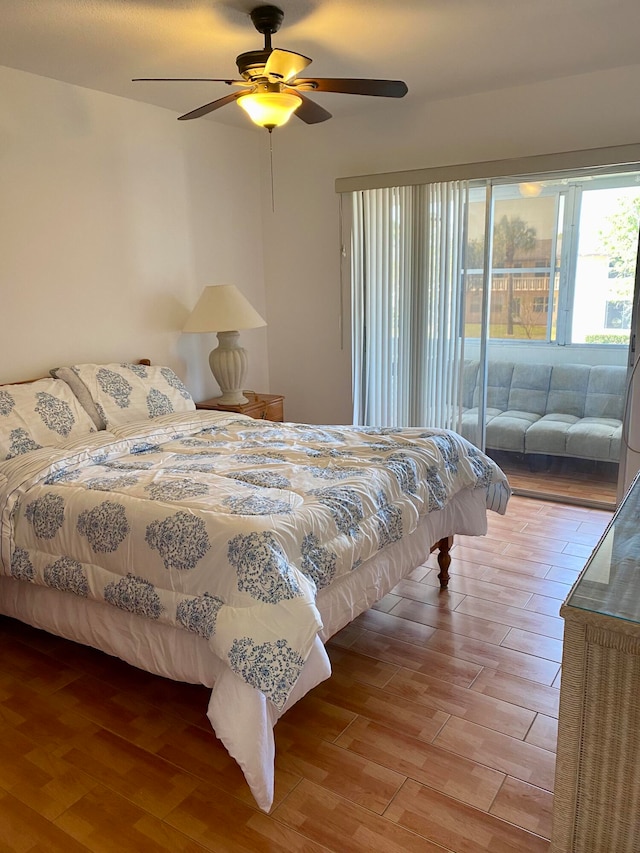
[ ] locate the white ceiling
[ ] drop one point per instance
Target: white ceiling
(440, 48)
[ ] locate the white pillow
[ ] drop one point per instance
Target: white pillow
(39, 414)
(115, 394)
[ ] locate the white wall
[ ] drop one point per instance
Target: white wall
(302, 261)
(113, 217)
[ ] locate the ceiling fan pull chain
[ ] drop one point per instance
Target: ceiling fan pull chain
(273, 203)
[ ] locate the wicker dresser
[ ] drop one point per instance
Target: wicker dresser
(597, 788)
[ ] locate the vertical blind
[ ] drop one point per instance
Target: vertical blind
(407, 304)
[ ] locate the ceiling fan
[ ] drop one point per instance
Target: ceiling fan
(271, 90)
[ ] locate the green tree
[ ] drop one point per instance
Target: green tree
(475, 254)
(512, 236)
(619, 240)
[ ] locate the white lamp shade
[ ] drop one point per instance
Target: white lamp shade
(270, 109)
(222, 308)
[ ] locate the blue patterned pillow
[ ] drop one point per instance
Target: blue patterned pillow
(39, 414)
(115, 394)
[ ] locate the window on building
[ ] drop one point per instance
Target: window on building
(618, 314)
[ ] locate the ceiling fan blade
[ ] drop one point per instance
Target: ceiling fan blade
(346, 86)
(309, 111)
(209, 108)
(283, 65)
(188, 80)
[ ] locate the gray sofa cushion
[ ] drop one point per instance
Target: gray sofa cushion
(549, 434)
(568, 389)
(529, 388)
(498, 386)
(469, 382)
(507, 430)
(605, 394)
(469, 423)
(595, 438)
(562, 409)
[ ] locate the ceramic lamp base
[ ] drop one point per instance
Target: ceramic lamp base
(228, 363)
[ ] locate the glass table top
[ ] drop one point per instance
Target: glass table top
(610, 582)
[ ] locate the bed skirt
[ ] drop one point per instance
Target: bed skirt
(241, 716)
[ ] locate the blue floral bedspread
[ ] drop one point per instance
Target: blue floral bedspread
(226, 526)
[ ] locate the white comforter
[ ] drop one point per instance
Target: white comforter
(228, 527)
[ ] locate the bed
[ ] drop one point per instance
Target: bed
(213, 548)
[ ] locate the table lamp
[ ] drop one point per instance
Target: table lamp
(223, 309)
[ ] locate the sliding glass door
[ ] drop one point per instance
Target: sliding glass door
(501, 308)
(563, 253)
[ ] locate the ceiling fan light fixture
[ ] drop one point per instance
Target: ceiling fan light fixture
(530, 189)
(270, 109)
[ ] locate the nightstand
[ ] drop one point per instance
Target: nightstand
(268, 407)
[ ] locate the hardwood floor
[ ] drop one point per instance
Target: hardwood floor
(436, 731)
(559, 478)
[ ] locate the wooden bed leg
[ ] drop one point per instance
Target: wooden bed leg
(444, 560)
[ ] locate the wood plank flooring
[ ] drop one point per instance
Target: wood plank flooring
(436, 731)
(559, 478)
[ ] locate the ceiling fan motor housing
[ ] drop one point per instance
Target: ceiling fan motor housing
(251, 64)
(267, 19)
